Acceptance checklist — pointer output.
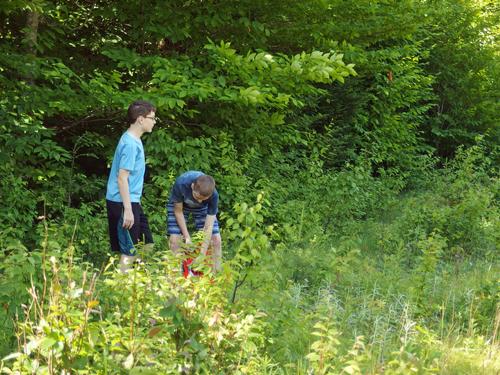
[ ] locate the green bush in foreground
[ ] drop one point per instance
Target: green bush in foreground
(148, 321)
(153, 321)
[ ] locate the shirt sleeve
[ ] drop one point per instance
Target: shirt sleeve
(213, 204)
(177, 196)
(127, 157)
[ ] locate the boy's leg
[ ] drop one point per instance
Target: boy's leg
(145, 233)
(173, 230)
(216, 244)
(127, 239)
(114, 211)
(215, 241)
(174, 241)
(126, 262)
(117, 235)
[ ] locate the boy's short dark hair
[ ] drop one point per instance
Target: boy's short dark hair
(204, 185)
(139, 108)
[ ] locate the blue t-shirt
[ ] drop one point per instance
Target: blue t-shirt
(129, 155)
(182, 192)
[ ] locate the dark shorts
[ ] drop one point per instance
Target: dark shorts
(121, 239)
(199, 216)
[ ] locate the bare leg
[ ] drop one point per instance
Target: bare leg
(216, 244)
(174, 242)
(126, 262)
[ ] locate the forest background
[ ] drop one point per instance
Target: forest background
(355, 149)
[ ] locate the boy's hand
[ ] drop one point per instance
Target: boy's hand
(188, 241)
(128, 218)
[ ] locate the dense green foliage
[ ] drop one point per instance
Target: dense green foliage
(355, 147)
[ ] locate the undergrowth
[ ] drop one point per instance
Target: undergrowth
(408, 283)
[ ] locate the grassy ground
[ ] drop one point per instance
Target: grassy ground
(410, 308)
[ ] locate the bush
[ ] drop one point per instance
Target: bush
(460, 205)
(150, 320)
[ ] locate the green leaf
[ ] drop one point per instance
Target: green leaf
(143, 371)
(47, 343)
(12, 356)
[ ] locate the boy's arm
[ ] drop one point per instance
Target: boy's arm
(181, 222)
(209, 221)
(128, 216)
(207, 233)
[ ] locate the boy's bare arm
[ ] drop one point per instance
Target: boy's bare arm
(128, 216)
(181, 222)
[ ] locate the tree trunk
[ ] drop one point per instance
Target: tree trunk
(32, 33)
(32, 21)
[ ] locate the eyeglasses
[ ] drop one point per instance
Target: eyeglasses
(153, 118)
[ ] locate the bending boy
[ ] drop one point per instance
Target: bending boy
(194, 193)
(127, 222)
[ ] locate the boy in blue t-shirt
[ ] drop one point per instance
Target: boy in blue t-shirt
(127, 222)
(194, 193)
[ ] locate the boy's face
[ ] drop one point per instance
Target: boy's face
(148, 122)
(197, 196)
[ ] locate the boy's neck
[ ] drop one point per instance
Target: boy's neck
(135, 130)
